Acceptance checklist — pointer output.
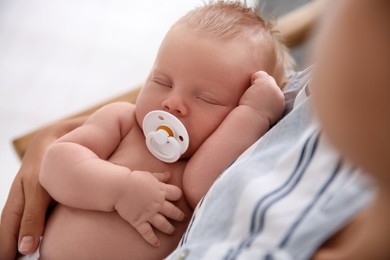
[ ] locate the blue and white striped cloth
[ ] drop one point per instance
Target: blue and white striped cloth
(282, 198)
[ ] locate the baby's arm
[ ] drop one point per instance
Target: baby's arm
(259, 107)
(74, 169)
(76, 173)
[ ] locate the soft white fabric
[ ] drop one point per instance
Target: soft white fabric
(281, 199)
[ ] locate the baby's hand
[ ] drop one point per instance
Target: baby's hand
(144, 201)
(264, 96)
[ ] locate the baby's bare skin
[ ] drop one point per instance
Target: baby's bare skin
(81, 234)
(105, 168)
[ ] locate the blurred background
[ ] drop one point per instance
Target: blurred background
(59, 57)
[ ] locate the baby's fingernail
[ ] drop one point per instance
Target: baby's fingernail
(26, 244)
(171, 231)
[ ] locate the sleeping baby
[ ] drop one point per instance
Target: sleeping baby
(128, 179)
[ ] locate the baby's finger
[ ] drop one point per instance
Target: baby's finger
(162, 176)
(146, 231)
(259, 75)
(162, 224)
(171, 211)
(172, 192)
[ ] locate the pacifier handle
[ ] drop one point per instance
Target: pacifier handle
(161, 136)
(170, 158)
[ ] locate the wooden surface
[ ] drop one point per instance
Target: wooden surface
(294, 26)
(20, 144)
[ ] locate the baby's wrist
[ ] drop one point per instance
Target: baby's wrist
(122, 187)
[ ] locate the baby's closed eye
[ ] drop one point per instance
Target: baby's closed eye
(209, 99)
(162, 82)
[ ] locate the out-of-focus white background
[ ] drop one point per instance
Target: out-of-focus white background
(59, 57)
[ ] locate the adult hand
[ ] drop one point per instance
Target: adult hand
(23, 216)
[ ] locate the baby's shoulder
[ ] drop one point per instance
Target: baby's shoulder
(115, 111)
(113, 116)
(118, 107)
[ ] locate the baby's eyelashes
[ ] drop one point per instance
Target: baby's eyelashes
(209, 100)
(162, 82)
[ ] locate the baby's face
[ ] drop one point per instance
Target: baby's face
(198, 79)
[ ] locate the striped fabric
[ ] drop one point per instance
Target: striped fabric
(282, 198)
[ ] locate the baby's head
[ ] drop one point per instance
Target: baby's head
(234, 20)
(205, 64)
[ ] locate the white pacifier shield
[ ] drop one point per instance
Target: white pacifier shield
(166, 137)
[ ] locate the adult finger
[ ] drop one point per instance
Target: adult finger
(33, 220)
(10, 221)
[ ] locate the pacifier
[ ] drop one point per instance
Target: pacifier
(166, 137)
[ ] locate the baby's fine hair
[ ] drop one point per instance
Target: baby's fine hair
(226, 19)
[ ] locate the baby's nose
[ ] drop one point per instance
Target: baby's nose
(174, 105)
